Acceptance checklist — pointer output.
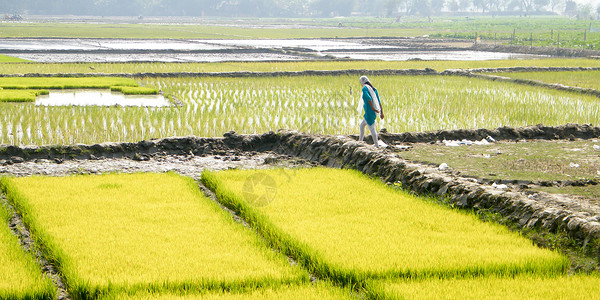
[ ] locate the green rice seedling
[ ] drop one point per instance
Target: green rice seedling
(315, 104)
(343, 225)
(138, 90)
(493, 287)
(583, 79)
(316, 291)
(138, 232)
(20, 95)
(64, 83)
(131, 68)
(20, 276)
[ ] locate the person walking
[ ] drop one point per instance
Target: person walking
(372, 107)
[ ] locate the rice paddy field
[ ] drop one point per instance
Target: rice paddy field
(343, 225)
(316, 104)
(493, 287)
(20, 275)
(550, 31)
(143, 232)
(583, 79)
(283, 66)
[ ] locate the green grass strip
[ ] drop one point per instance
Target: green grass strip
(142, 232)
(138, 90)
(582, 79)
(20, 276)
(519, 287)
(10, 59)
(64, 82)
(343, 225)
(20, 95)
(316, 291)
(439, 65)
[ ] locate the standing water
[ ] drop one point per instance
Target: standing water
(99, 98)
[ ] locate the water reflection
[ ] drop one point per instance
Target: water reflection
(99, 98)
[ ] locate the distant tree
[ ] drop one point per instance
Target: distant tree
(453, 5)
(420, 7)
(329, 8)
(526, 6)
(465, 4)
(570, 8)
(539, 5)
(556, 4)
(392, 7)
(437, 5)
(584, 11)
(482, 5)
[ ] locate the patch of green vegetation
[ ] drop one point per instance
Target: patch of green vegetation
(345, 226)
(65, 82)
(138, 90)
(583, 79)
(492, 287)
(534, 160)
(20, 95)
(146, 232)
(591, 192)
(10, 59)
(20, 275)
(130, 68)
(314, 291)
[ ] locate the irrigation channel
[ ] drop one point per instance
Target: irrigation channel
(190, 50)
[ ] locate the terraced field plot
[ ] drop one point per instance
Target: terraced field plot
(20, 275)
(129, 233)
(343, 225)
(519, 287)
(582, 79)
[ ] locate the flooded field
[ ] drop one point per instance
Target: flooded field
(99, 98)
(190, 50)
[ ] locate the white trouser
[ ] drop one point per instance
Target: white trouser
(372, 129)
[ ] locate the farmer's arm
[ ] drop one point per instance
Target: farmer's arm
(380, 106)
(373, 108)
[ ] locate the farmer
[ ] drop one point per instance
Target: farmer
(372, 107)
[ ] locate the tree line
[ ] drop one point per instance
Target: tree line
(292, 8)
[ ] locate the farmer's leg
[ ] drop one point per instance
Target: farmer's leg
(374, 134)
(362, 130)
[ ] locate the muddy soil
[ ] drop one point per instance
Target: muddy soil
(187, 165)
(187, 50)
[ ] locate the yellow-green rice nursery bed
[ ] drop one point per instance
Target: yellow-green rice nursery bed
(20, 276)
(345, 226)
(119, 233)
(65, 82)
(315, 291)
(493, 287)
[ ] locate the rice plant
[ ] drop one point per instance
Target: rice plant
(131, 68)
(317, 291)
(583, 79)
(493, 287)
(315, 104)
(20, 276)
(346, 226)
(129, 233)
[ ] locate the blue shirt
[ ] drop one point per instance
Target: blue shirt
(370, 115)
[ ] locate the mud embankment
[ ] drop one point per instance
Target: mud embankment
(550, 51)
(553, 213)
